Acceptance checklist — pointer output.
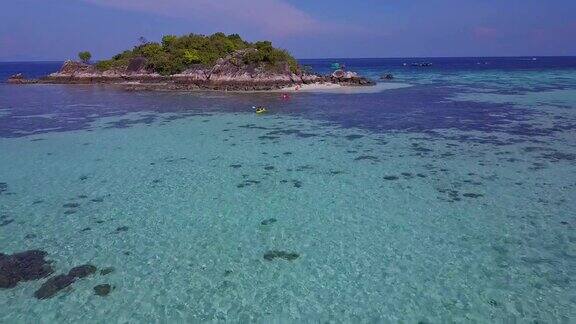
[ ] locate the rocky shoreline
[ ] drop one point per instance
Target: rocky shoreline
(225, 75)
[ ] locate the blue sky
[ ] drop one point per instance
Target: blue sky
(58, 29)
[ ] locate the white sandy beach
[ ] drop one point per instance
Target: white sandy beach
(336, 88)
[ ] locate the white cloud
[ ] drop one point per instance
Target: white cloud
(272, 17)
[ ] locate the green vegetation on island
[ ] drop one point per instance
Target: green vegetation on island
(85, 56)
(177, 53)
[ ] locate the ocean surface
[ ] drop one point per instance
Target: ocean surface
(448, 195)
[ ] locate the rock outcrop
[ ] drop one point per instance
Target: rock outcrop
(73, 72)
(230, 73)
(19, 79)
(348, 78)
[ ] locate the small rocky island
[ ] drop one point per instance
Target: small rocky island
(193, 62)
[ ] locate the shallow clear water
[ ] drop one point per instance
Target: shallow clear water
(451, 200)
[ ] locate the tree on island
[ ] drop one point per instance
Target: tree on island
(85, 56)
(175, 54)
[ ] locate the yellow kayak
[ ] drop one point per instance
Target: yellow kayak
(261, 110)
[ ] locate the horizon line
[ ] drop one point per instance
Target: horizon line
(353, 58)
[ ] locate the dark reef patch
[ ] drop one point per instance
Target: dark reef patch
(247, 183)
(53, 285)
(297, 183)
(107, 271)
(82, 271)
(252, 126)
(453, 195)
(71, 205)
(268, 137)
(23, 266)
(367, 157)
(127, 123)
(121, 229)
(559, 156)
(472, 195)
(537, 166)
(268, 221)
(472, 182)
(391, 177)
(531, 149)
(271, 255)
(416, 147)
(4, 222)
(3, 187)
(353, 137)
(493, 303)
(296, 132)
(306, 167)
(103, 289)
(57, 283)
(84, 178)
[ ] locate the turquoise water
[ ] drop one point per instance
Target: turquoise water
(208, 212)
